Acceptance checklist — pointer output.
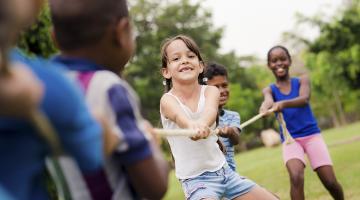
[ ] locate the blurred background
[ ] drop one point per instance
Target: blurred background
(323, 37)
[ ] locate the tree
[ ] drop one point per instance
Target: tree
(37, 40)
(157, 20)
(154, 21)
(334, 60)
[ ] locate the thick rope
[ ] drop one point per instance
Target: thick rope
(191, 132)
(287, 137)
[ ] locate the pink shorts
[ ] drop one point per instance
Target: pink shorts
(313, 145)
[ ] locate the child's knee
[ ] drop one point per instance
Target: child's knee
(297, 179)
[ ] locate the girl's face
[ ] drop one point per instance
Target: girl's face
(222, 84)
(183, 65)
(279, 63)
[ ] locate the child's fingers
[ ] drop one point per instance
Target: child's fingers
(202, 133)
(196, 137)
(264, 111)
(223, 132)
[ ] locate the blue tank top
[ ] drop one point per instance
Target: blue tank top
(300, 121)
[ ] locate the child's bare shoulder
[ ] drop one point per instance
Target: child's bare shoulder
(304, 77)
(304, 80)
(166, 99)
(212, 90)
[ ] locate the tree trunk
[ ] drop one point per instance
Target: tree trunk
(334, 118)
(339, 108)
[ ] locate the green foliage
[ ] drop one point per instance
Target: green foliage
(37, 40)
(334, 60)
(154, 22)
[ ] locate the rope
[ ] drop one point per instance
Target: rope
(46, 131)
(180, 132)
(192, 132)
(287, 137)
(256, 117)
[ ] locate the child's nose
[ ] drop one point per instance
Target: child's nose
(222, 89)
(184, 60)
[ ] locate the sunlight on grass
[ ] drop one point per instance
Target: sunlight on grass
(265, 166)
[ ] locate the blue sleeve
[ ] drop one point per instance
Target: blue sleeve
(4, 195)
(63, 103)
(235, 120)
(138, 146)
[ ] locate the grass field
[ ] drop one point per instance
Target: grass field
(264, 166)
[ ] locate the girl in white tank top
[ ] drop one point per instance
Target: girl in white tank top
(200, 165)
(189, 105)
(193, 158)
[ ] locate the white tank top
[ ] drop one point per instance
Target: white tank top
(193, 158)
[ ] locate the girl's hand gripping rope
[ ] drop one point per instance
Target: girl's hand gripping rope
(204, 131)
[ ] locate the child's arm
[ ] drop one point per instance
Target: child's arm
(170, 108)
(109, 138)
(142, 158)
(20, 92)
(232, 133)
(301, 100)
(151, 173)
(268, 100)
(212, 96)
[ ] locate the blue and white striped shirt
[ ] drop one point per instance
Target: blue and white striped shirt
(230, 119)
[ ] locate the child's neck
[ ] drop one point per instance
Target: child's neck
(284, 85)
(186, 92)
(282, 81)
(189, 95)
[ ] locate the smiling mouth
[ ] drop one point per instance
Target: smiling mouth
(280, 70)
(223, 97)
(185, 69)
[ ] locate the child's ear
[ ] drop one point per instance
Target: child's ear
(123, 31)
(165, 72)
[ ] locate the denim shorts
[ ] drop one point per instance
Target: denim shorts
(223, 183)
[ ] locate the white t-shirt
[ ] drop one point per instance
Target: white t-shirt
(193, 158)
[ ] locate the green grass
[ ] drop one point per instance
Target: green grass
(265, 167)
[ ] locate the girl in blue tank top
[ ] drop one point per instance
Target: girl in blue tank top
(291, 96)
